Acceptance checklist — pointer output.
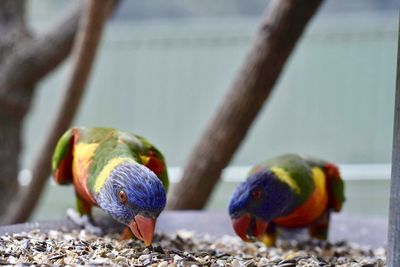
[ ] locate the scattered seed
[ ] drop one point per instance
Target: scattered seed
(163, 264)
(288, 264)
(179, 249)
(287, 261)
(158, 249)
(56, 257)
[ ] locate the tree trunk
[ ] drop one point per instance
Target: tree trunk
(24, 60)
(279, 31)
(9, 152)
(83, 55)
(41, 53)
(13, 103)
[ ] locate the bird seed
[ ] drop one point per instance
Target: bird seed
(182, 248)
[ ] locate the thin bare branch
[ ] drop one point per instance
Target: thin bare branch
(30, 61)
(280, 29)
(83, 55)
(11, 12)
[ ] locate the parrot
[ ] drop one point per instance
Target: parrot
(288, 191)
(120, 172)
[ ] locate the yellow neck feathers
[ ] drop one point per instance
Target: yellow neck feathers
(107, 169)
(284, 176)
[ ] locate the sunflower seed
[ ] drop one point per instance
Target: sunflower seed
(187, 249)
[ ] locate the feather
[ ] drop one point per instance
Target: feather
(287, 191)
(122, 173)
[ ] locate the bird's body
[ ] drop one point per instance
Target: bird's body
(288, 191)
(122, 173)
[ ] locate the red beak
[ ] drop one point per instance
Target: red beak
(143, 228)
(247, 227)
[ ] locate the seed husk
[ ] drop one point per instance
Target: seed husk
(177, 249)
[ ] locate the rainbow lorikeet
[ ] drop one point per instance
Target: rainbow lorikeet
(288, 191)
(122, 173)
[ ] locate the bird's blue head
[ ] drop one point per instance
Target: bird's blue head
(133, 195)
(257, 201)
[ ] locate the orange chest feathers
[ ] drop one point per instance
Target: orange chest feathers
(313, 208)
(82, 160)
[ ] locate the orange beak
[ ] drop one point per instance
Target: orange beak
(248, 228)
(143, 228)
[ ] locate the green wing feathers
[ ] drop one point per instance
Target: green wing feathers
(62, 158)
(155, 161)
(299, 170)
(112, 142)
(296, 168)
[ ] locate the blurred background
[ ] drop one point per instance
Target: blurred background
(163, 66)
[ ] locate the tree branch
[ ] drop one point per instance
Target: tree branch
(12, 12)
(30, 61)
(280, 29)
(83, 55)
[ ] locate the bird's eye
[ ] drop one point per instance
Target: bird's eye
(256, 194)
(122, 198)
(235, 215)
